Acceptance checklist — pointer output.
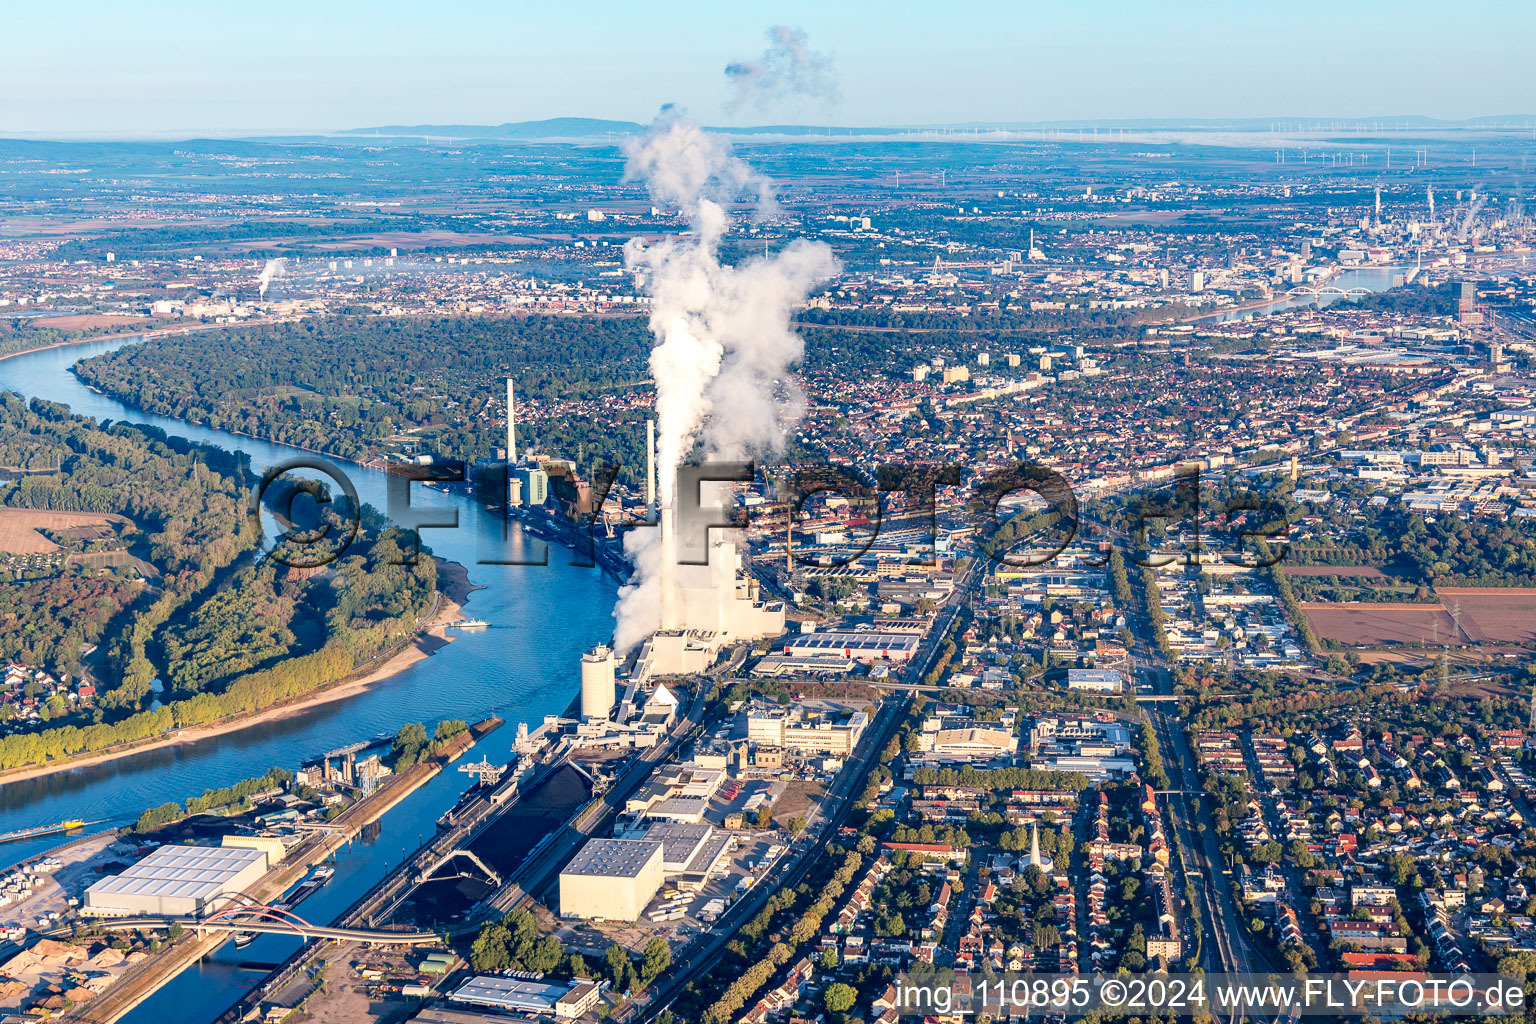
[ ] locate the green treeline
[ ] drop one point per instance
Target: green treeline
(213, 799)
(729, 1005)
(1001, 778)
(1155, 611)
(412, 746)
(225, 639)
(1292, 609)
(368, 378)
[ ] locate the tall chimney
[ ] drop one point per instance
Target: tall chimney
(650, 471)
(789, 543)
(668, 571)
(511, 426)
(514, 488)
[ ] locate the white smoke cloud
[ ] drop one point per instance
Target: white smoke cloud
(724, 343)
(638, 612)
(269, 273)
(788, 68)
(1475, 205)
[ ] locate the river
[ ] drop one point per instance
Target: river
(522, 668)
(1372, 279)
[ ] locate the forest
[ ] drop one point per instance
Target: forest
(46, 623)
(345, 385)
(222, 635)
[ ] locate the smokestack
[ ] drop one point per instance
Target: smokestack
(511, 425)
(650, 471)
(789, 544)
(668, 571)
(514, 487)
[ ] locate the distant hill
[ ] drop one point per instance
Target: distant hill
(581, 128)
(553, 128)
(596, 129)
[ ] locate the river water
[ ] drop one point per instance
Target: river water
(1372, 279)
(523, 667)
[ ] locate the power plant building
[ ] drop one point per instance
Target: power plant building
(611, 879)
(176, 881)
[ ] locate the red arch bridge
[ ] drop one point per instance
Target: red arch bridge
(242, 914)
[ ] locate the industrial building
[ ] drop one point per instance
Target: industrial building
(565, 999)
(1095, 680)
(821, 664)
(689, 852)
(611, 879)
(809, 727)
(969, 745)
(176, 881)
(679, 793)
(866, 646)
(640, 720)
(1098, 749)
(597, 683)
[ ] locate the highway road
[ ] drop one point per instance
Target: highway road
(1224, 948)
(704, 952)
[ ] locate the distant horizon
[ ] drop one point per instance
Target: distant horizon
(1280, 123)
(172, 68)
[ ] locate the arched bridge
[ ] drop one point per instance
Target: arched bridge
(245, 915)
(1329, 289)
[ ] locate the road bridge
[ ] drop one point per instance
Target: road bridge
(269, 920)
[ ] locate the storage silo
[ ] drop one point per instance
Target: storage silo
(597, 687)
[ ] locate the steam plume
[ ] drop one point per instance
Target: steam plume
(269, 273)
(787, 68)
(1475, 205)
(724, 345)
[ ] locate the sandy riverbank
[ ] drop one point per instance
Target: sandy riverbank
(454, 589)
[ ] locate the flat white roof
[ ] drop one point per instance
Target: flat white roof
(511, 993)
(613, 858)
(195, 872)
(864, 641)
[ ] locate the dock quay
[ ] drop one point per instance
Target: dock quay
(145, 978)
(476, 811)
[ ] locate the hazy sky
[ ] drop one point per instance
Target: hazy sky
(170, 66)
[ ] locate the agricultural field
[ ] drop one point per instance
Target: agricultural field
(1374, 625)
(19, 528)
(1493, 614)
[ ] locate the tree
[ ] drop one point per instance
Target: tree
(657, 957)
(545, 955)
(796, 825)
(490, 950)
(839, 998)
(410, 743)
(1517, 965)
(619, 967)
